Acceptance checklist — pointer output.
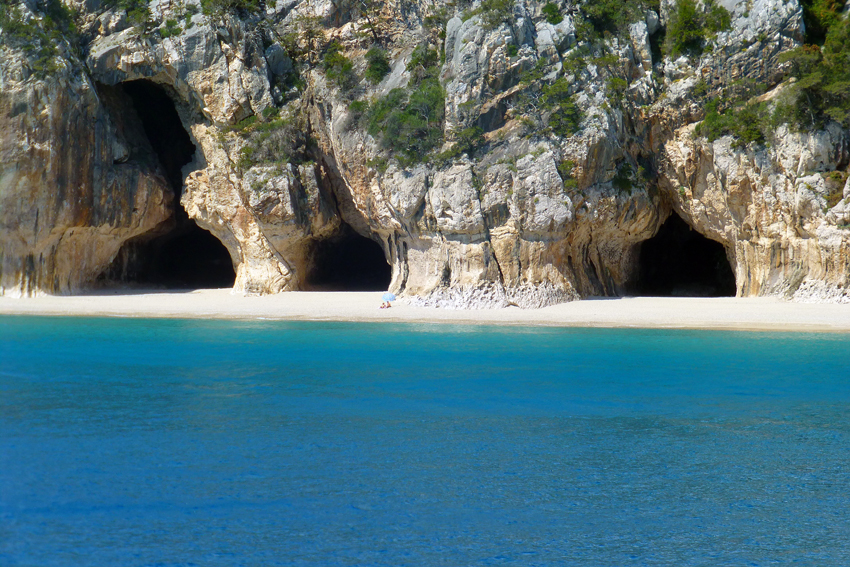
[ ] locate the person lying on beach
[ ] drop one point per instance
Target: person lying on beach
(383, 306)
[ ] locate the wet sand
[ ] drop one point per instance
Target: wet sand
(643, 312)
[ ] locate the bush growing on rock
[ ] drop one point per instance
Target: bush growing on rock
(820, 16)
(565, 119)
(171, 29)
(493, 13)
(466, 141)
(377, 64)
(567, 171)
(552, 13)
(622, 180)
(410, 123)
(338, 68)
(747, 123)
(690, 26)
(422, 62)
(276, 139)
(822, 89)
(217, 8)
(614, 16)
(41, 37)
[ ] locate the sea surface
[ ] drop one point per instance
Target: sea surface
(133, 442)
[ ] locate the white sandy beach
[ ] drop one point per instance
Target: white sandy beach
(648, 312)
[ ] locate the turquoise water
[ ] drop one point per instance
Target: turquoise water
(173, 442)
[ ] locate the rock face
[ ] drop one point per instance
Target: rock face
(534, 210)
(75, 182)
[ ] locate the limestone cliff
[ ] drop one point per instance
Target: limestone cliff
(497, 153)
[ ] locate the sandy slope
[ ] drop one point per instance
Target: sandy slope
(709, 313)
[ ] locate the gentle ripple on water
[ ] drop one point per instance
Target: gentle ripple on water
(142, 442)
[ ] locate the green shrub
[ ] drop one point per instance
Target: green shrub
(423, 64)
(565, 119)
(217, 8)
(171, 29)
(466, 141)
(358, 107)
(58, 16)
(409, 123)
(552, 13)
(494, 13)
(512, 50)
(277, 139)
(616, 88)
(819, 16)
(575, 62)
(622, 180)
(612, 16)
(565, 168)
(377, 64)
(138, 13)
(534, 74)
(822, 89)
(338, 68)
(423, 57)
(13, 24)
(437, 20)
(690, 27)
(700, 89)
(41, 39)
(747, 123)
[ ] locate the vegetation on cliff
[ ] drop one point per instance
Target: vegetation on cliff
(821, 91)
(338, 68)
(377, 64)
(691, 26)
(217, 8)
(493, 13)
(410, 120)
(611, 16)
(818, 92)
(277, 138)
(746, 123)
(41, 37)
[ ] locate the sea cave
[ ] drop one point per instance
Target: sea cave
(679, 261)
(180, 255)
(348, 261)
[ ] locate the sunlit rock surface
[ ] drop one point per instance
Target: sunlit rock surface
(527, 217)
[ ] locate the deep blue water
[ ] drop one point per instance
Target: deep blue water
(173, 442)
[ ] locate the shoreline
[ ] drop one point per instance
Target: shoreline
(723, 313)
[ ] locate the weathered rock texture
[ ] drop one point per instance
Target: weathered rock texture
(501, 224)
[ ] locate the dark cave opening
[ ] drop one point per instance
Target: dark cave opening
(180, 254)
(163, 128)
(348, 261)
(679, 261)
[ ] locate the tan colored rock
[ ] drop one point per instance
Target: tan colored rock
(501, 226)
(70, 194)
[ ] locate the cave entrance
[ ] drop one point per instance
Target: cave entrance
(348, 261)
(180, 254)
(679, 261)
